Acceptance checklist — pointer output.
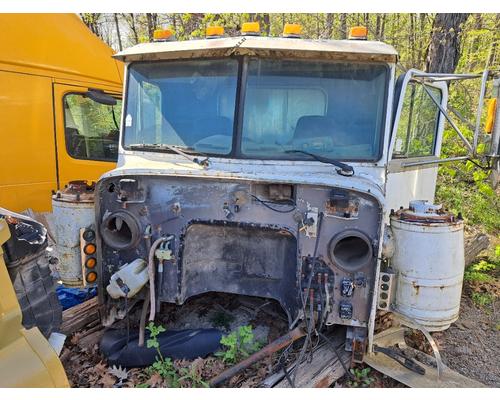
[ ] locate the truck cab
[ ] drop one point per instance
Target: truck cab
(264, 166)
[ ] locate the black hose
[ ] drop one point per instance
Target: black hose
(337, 354)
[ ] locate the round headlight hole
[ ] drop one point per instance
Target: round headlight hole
(120, 230)
(350, 250)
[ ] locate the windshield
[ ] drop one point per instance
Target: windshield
(181, 103)
(331, 109)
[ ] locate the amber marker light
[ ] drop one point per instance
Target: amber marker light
(89, 249)
(292, 30)
(90, 262)
(162, 34)
(358, 33)
(91, 277)
(214, 31)
(250, 29)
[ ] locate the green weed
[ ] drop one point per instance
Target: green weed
(360, 377)
(482, 299)
(238, 345)
(162, 366)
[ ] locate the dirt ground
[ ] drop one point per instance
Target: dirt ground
(470, 346)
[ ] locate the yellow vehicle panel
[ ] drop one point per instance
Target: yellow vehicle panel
(26, 358)
(42, 57)
(27, 150)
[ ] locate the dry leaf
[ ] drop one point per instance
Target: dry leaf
(107, 381)
(119, 372)
(155, 380)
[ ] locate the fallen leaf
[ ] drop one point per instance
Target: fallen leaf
(107, 381)
(155, 380)
(119, 372)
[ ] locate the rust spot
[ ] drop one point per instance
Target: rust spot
(416, 287)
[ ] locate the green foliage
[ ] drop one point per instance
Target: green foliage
(464, 188)
(193, 378)
(473, 276)
(162, 366)
(482, 299)
(478, 272)
(360, 377)
(238, 345)
(154, 331)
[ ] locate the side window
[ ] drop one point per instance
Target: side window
(91, 129)
(417, 128)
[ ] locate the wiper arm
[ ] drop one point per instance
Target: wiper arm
(202, 162)
(342, 168)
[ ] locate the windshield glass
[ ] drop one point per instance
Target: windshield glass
(182, 103)
(331, 109)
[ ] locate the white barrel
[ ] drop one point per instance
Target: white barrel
(70, 213)
(429, 263)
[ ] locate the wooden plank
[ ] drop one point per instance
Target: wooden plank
(80, 316)
(323, 370)
(475, 245)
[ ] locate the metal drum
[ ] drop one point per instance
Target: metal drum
(72, 209)
(429, 263)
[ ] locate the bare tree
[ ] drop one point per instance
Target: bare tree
(92, 22)
(152, 22)
(328, 26)
(343, 26)
(131, 22)
(444, 49)
(117, 25)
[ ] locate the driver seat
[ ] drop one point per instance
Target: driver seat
(312, 126)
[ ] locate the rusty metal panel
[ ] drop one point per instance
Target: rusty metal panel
(262, 46)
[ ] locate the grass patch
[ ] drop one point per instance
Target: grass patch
(482, 299)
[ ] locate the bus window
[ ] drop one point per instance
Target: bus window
(91, 129)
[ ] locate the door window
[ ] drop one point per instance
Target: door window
(91, 129)
(418, 124)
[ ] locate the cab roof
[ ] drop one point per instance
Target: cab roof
(277, 47)
(56, 45)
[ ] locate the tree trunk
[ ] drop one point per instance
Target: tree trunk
(91, 20)
(130, 20)
(444, 49)
(151, 21)
(343, 26)
(118, 32)
(329, 26)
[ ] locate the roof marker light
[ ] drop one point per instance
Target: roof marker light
(358, 33)
(214, 31)
(162, 35)
(250, 29)
(292, 31)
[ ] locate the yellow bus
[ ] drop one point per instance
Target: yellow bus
(60, 107)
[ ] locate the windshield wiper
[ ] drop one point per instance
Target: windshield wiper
(342, 168)
(176, 149)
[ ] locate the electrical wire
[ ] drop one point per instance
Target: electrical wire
(304, 302)
(336, 353)
(267, 202)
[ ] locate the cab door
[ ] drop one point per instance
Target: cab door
(415, 145)
(86, 132)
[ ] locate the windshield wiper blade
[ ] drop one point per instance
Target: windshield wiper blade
(342, 168)
(202, 162)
